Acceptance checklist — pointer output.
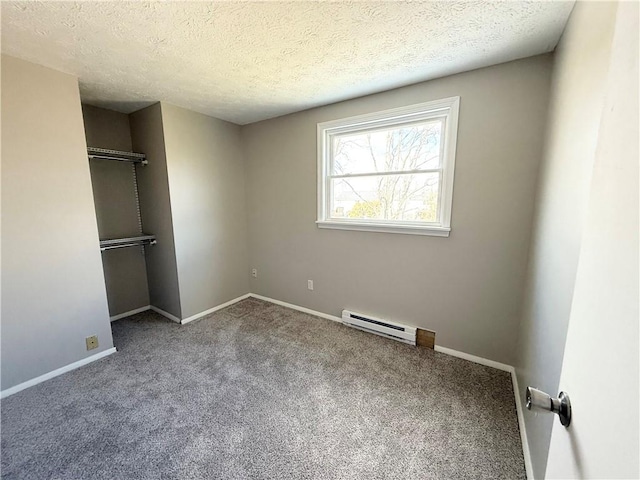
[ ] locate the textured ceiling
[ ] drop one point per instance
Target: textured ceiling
(248, 61)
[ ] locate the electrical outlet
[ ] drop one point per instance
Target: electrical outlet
(92, 342)
(310, 284)
(254, 273)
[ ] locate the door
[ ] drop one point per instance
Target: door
(600, 366)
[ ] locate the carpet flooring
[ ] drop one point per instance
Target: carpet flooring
(260, 391)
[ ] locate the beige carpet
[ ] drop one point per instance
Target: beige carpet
(260, 391)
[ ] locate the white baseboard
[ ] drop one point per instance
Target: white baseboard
(296, 307)
(56, 373)
(523, 431)
(472, 358)
(129, 313)
(214, 309)
(197, 315)
(173, 318)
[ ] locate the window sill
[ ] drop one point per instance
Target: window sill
(385, 228)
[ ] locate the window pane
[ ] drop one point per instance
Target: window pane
(408, 147)
(409, 198)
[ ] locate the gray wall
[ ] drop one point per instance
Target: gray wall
(106, 128)
(153, 184)
(206, 181)
(580, 68)
(53, 292)
(125, 272)
(468, 287)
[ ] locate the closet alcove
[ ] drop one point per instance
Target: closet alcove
(130, 189)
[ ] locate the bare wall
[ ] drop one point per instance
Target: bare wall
(125, 270)
(580, 67)
(206, 179)
(106, 128)
(468, 287)
(147, 137)
(53, 293)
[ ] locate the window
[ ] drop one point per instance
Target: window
(389, 171)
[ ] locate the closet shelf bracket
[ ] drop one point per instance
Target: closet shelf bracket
(116, 155)
(127, 242)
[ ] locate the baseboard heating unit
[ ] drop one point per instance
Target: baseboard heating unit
(385, 328)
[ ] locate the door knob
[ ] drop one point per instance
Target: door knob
(561, 405)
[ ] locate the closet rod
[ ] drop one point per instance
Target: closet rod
(118, 159)
(106, 154)
(127, 242)
(125, 245)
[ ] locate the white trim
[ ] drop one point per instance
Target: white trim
(197, 315)
(129, 313)
(56, 373)
(214, 309)
(165, 314)
(436, 106)
(385, 228)
(449, 154)
(516, 392)
(472, 358)
(387, 173)
(446, 109)
(528, 466)
(296, 307)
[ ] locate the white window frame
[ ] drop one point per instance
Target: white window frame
(447, 108)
